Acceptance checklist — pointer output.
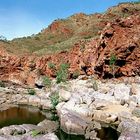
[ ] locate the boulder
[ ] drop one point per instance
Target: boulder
(121, 92)
(129, 136)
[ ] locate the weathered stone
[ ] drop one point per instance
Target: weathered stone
(132, 105)
(24, 100)
(49, 126)
(91, 135)
(133, 98)
(49, 136)
(18, 129)
(34, 100)
(73, 124)
(121, 92)
(135, 89)
(129, 126)
(104, 97)
(129, 136)
(16, 98)
(46, 104)
(136, 112)
(64, 95)
(29, 127)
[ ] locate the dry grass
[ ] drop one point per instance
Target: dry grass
(81, 26)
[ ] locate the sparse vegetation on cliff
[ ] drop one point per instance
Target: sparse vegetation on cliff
(47, 81)
(31, 92)
(112, 62)
(51, 65)
(88, 56)
(62, 73)
(54, 99)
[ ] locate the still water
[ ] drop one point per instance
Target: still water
(103, 134)
(20, 115)
(31, 115)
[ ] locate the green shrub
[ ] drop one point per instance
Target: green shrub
(112, 62)
(51, 65)
(2, 84)
(47, 82)
(88, 37)
(35, 133)
(54, 117)
(54, 99)
(31, 91)
(62, 73)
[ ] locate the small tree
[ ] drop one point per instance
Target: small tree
(31, 91)
(112, 62)
(54, 99)
(62, 73)
(51, 65)
(47, 82)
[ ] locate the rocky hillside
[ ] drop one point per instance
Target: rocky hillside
(107, 45)
(62, 34)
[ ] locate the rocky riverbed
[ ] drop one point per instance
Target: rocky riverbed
(85, 107)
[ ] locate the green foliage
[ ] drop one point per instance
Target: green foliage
(31, 91)
(35, 133)
(62, 73)
(112, 62)
(51, 65)
(54, 117)
(2, 84)
(54, 100)
(47, 82)
(88, 37)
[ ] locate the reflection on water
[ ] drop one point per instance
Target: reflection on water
(20, 115)
(63, 136)
(108, 134)
(103, 134)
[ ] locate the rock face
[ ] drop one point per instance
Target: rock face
(88, 110)
(50, 136)
(130, 130)
(129, 136)
(119, 40)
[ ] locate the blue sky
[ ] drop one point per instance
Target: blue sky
(25, 17)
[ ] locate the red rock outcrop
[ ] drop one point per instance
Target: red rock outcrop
(120, 38)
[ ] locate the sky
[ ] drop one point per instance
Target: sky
(20, 18)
